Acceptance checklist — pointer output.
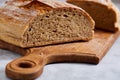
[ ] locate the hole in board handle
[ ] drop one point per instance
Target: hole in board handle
(25, 65)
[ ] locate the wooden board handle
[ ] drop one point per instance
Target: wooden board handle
(26, 68)
(31, 66)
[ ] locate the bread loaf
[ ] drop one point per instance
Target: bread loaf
(104, 12)
(30, 23)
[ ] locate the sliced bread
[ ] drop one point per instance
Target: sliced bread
(31, 23)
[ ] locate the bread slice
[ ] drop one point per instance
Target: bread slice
(30, 23)
(104, 12)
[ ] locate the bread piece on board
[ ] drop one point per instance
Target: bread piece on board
(30, 23)
(104, 12)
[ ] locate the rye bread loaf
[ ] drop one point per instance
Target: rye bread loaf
(30, 23)
(104, 12)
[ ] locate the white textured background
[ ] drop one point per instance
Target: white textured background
(107, 69)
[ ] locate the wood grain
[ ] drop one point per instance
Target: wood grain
(31, 64)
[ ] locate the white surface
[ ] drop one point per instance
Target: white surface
(107, 69)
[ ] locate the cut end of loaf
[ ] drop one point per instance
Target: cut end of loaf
(58, 26)
(105, 16)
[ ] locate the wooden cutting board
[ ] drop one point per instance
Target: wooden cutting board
(31, 64)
